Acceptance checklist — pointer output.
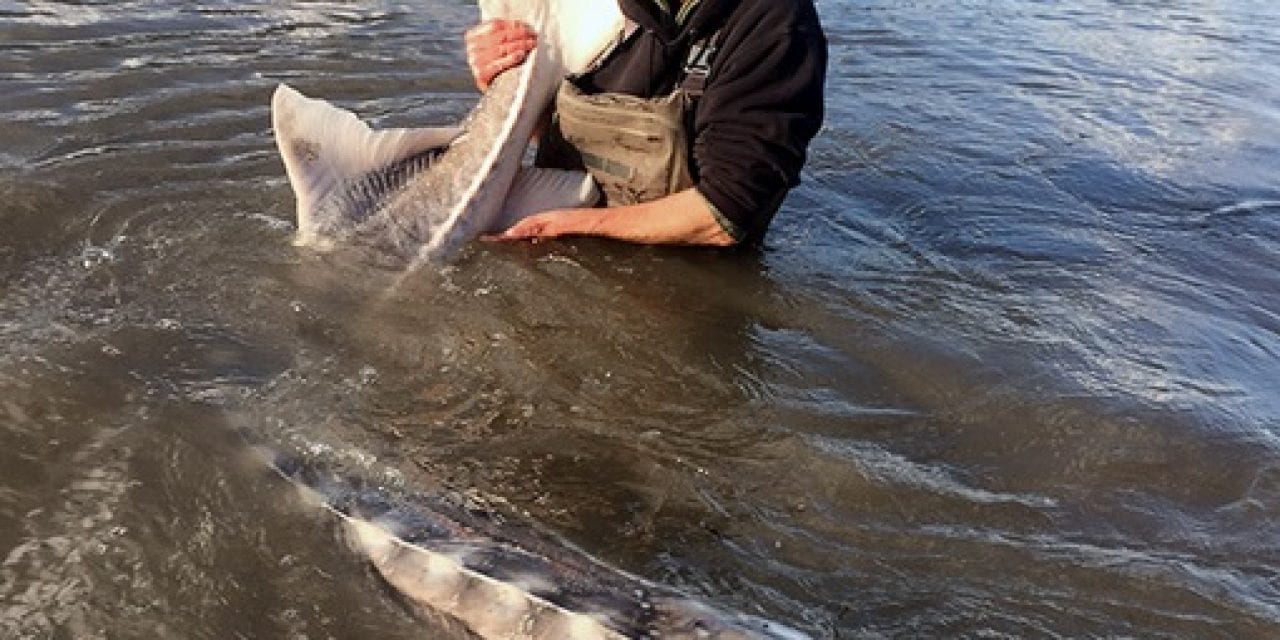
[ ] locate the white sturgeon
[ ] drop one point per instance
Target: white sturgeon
(499, 576)
(422, 193)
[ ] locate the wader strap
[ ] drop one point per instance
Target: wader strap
(697, 66)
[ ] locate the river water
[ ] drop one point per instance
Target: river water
(1009, 364)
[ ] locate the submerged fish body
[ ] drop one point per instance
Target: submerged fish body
(422, 193)
(501, 578)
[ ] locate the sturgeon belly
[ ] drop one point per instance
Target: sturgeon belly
(461, 194)
(420, 194)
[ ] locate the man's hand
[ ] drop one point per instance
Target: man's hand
(550, 224)
(681, 218)
(494, 46)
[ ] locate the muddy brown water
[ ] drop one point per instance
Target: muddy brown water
(1008, 365)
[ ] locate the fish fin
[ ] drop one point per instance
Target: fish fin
(491, 9)
(536, 190)
(579, 33)
(324, 147)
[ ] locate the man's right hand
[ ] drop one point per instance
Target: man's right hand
(493, 46)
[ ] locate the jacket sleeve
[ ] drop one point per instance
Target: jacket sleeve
(762, 105)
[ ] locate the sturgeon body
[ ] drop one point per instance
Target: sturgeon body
(420, 194)
(500, 577)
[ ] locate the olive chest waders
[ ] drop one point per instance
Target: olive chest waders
(636, 149)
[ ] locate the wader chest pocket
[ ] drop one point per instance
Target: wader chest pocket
(635, 148)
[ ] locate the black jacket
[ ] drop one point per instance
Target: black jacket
(763, 101)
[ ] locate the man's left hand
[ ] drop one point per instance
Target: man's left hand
(548, 224)
(681, 218)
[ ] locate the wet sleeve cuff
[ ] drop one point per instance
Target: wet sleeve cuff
(734, 230)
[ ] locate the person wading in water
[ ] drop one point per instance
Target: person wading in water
(695, 124)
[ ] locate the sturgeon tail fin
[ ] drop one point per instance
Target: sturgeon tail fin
(535, 190)
(324, 148)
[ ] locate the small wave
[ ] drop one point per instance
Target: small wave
(1248, 207)
(1253, 593)
(56, 14)
(271, 222)
(885, 466)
